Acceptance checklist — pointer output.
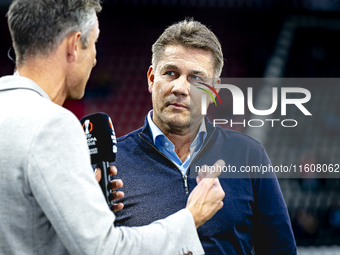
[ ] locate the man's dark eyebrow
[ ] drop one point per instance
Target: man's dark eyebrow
(198, 72)
(169, 66)
(174, 67)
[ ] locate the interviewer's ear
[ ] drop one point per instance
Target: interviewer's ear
(73, 45)
(151, 77)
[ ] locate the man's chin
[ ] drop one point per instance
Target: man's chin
(183, 119)
(178, 122)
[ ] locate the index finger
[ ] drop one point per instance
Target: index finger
(210, 172)
(218, 166)
(113, 170)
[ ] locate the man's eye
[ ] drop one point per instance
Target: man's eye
(196, 78)
(170, 73)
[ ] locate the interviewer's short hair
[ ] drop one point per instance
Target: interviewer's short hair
(38, 27)
(192, 34)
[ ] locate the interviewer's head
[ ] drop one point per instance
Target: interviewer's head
(38, 27)
(62, 31)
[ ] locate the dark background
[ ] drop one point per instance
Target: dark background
(250, 32)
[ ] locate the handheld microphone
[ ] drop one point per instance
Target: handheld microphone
(102, 143)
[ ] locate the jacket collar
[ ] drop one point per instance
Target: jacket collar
(12, 82)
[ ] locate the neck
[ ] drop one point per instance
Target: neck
(48, 73)
(182, 140)
(182, 145)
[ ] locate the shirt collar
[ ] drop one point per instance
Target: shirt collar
(155, 131)
(11, 82)
(201, 134)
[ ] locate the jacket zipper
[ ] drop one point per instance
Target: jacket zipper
(184, 176)
(185, 179)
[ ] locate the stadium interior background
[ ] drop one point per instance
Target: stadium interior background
(260, 38)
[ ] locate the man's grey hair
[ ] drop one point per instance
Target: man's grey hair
(39, 26)
(189, 33)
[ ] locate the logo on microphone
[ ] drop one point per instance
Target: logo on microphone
(88, 126)
(110, 123)
(113, 137)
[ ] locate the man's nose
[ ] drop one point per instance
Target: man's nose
(181, 86)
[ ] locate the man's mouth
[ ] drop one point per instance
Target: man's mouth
(178, 106)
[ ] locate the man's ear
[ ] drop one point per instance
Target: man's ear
(218, 81)
(151, 77)
(73, 45)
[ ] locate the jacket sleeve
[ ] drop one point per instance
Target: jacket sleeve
(273, 232)
(62, 182)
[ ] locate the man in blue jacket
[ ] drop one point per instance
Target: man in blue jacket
(177, 138)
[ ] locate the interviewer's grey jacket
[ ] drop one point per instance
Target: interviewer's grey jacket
(50, 202)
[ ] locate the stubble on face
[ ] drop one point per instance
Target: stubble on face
(176, 108)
